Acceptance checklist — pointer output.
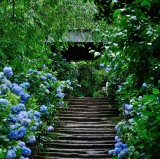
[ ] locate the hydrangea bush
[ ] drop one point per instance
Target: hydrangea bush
(28, 103)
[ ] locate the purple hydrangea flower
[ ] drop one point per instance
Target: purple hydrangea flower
(8, 71)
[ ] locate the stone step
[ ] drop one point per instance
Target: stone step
(89, 132)
(96, 119)
(85, 129)
(86, 115)
(85, 137)
(48, 157)
(72, 154)
(100, 109)
(84, 141)
(85, 126)
(76, 103)
(81, 151)
(79, 146)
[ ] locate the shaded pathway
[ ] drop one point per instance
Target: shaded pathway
(85, 131)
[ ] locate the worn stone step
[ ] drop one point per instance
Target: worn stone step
(79, 146)
(86, 115)
(85, 126)
(48, 157)
(82, 151)
(84, 141)
(93, 109)
(89, 132)
(72, 154)
(86, 137)
(82, 119)
(85, 129)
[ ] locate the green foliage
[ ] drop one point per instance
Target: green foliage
(131, 56)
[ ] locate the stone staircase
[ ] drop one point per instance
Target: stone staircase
(84, 131)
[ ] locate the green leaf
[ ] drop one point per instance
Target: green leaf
(146, 3)
(111, 5)
(116, 13)
(155, 91)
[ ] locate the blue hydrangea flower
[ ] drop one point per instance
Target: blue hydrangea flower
(59, 90)
(53, 79)
(60, 95)
(8, 71)
(144, 85)
(14, 84)
(33, 128)
(22, 115)
(26, 152)
(128, 107)
(21, 144)
(43, 109)
(26, 122)
(117, 139)
(24, 97)
(15, 109)
(11, 154)
(22, 157)
(17, 90)
(12, 118)
(50, 128)
(61, 103)
(21, 132)
(49, 75)
(131, 121)
(7, 83)
(30, 71)
(13, 134)
(36, 72)
(37, 115)
(3, 102)
(4, 88)
(22, 107)
(44, 78)
(25, 85)
(102, 65)
(32, 139)
(68, 82)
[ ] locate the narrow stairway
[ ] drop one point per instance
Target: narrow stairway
(85, 130)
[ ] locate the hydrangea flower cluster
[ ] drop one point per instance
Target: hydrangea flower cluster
(23, 122)
(60, 94)
(121, 150)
